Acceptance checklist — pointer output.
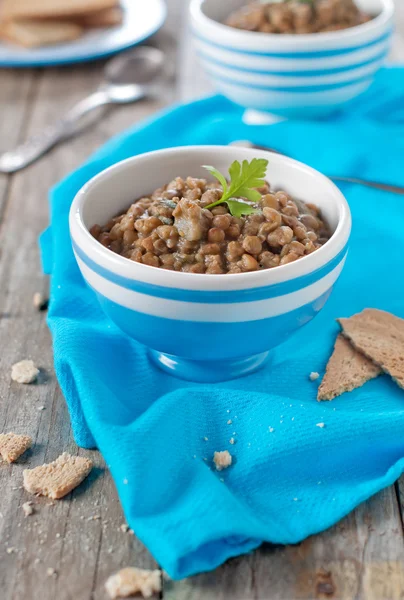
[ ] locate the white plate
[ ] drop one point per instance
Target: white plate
(142, 18)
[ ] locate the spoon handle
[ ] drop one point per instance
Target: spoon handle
(38, 145)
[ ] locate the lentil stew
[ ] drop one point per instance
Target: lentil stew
(295, 16)
(172, 229)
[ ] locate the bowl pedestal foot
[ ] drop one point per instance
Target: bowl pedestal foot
(208, 371)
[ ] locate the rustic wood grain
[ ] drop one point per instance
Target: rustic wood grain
(80, 536)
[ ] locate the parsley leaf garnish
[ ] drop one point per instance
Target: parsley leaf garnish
(244, 178)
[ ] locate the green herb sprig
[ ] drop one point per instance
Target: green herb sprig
(245, 177)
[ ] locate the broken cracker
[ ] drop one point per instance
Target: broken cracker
(33, 34)
(110, 17)
(222, 460)
(12, 446)
(59, 477)
(379, 335)
(131, 581)
(49, 9)
(346, 370)
(24, 371)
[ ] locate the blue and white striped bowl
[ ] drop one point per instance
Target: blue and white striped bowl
(309, 75)
(206, 327)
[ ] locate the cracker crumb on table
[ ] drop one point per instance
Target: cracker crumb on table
(314, 375)
(40, 302)
(12, 446)
(28, 508)
(222, 460)
(131, 581)
(24, 371)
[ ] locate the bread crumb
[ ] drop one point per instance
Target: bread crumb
(40, 408)
(321, 425)
(39, 301)
(11, 550)
(57, 478)
(222, 460)
(28, 508)
(24, 371)
(271, 429)
(51, 572)
(229, 422)
(314, 375)
(124, 528)
(12, 446)
(232, 441)
(131, 581)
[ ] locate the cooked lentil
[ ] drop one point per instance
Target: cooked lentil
(294, 16)
(171, 229)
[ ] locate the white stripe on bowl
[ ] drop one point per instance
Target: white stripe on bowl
(218, 313)
(288, 81)
(262, 63)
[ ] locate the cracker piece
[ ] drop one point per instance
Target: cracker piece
(379, 335)
(57, 478)
(131, 581)
(346, 370)
(12, 446)
(24, 371)
(110, 17)
(52, 9)
(33, 34)
(222, 460)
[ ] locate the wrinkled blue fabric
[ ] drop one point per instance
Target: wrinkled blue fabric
(285, 484)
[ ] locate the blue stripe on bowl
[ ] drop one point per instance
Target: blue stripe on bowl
(296, 55)
(303, 89)
(313, 73)
(212, 297)
(201, 340)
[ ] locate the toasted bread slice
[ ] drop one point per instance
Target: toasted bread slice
(379, 335)
(32, 34)
(347, 370)
(110, 17)
(53, 9)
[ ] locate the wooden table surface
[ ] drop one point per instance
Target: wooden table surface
(361, 558)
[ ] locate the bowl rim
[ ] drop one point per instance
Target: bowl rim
(345, 35)
(124, 267)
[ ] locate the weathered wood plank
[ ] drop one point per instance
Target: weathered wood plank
(17, 94)
(67, 536)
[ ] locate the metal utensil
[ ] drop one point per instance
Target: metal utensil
(127, 78)
(372, 184)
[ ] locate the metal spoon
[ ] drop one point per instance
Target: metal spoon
(394, 189)
(127, 78)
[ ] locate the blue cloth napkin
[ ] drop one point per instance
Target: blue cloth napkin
(290, 478)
